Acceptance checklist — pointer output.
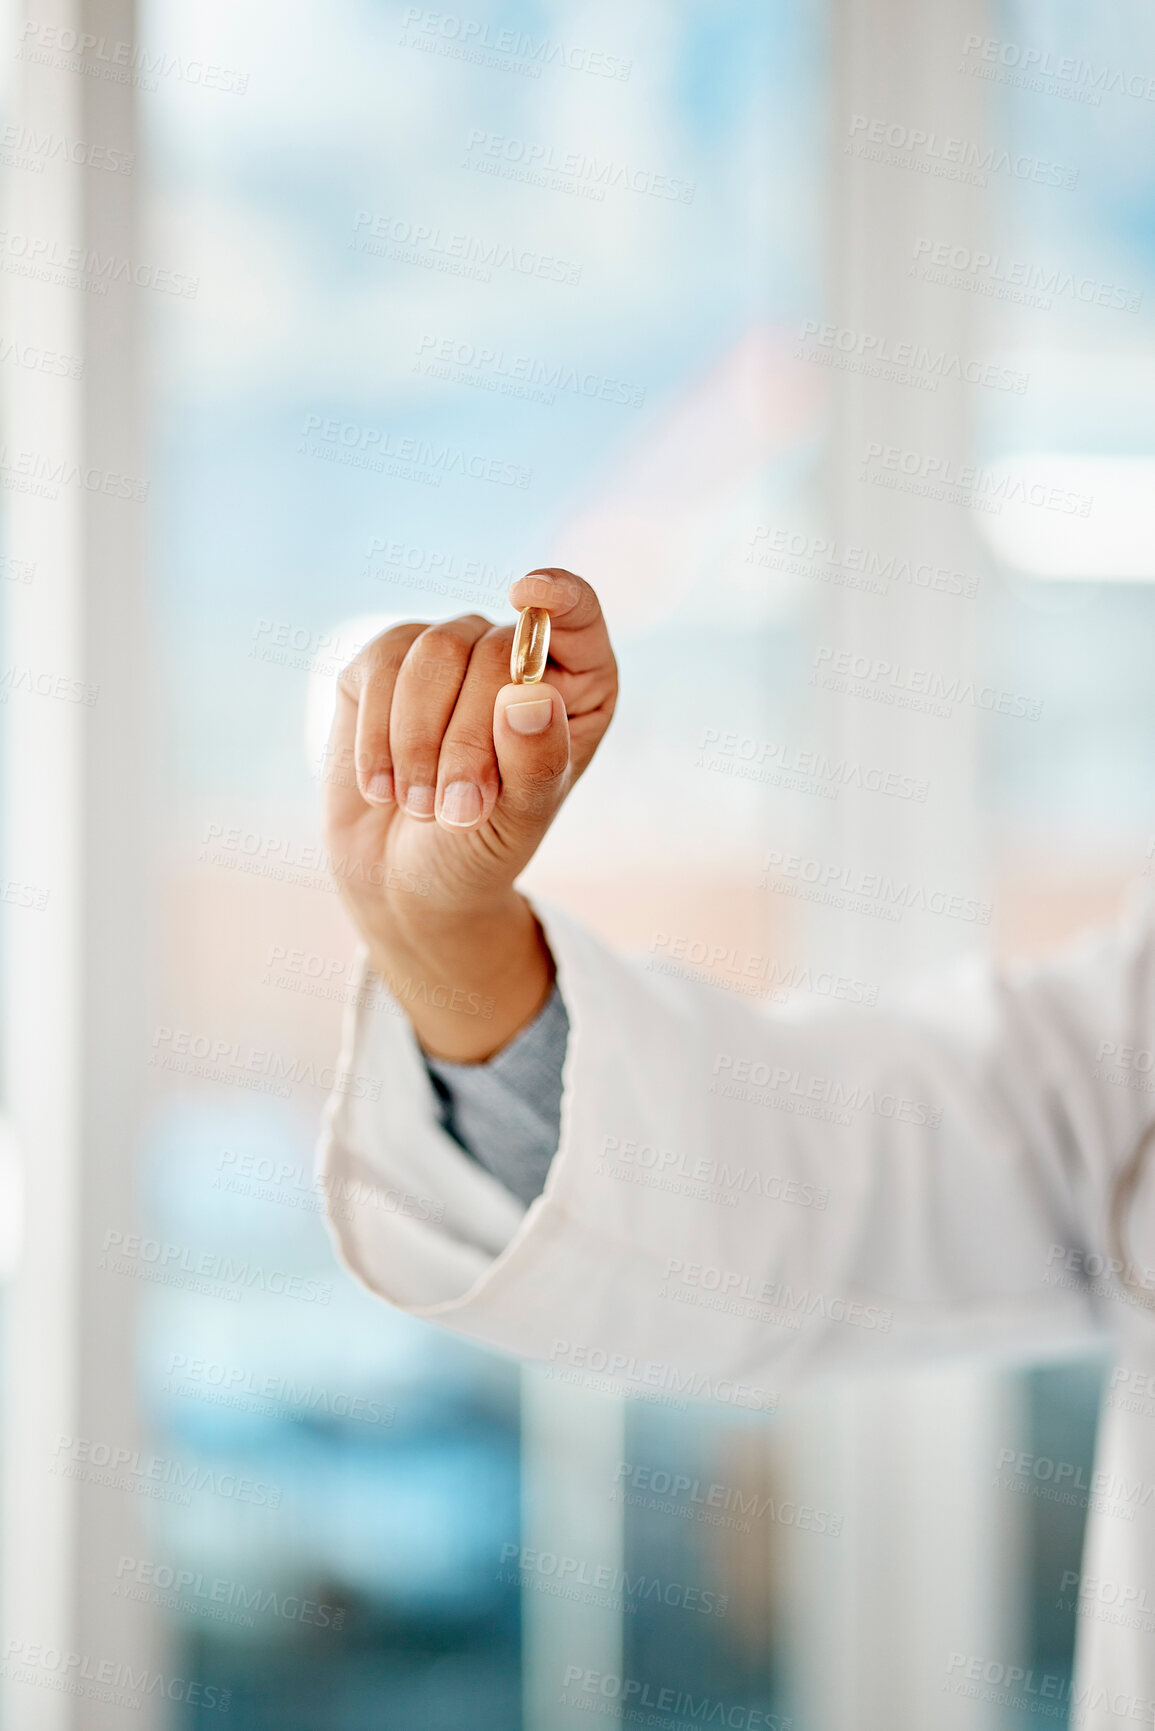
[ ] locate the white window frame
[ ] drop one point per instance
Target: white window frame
(75, 1029)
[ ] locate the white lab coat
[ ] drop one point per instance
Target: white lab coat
(741, 1200)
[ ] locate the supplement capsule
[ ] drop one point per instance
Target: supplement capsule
(530, 646)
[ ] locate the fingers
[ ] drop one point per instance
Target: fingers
(581, 659)
(579, 639)
(357, 753)
(424, 697)
(427, 719)
(342, 797)
(467, 773)
(368, 684)
(506, 748)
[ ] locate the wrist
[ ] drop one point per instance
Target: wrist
(439, 937)
(468, 983)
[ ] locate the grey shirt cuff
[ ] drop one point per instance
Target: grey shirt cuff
(507, 1113)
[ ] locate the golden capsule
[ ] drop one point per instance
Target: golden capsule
(530, 646)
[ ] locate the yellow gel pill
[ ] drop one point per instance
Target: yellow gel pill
(530, 646)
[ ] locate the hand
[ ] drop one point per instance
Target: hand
(441, 780)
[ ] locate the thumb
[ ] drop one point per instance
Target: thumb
(531, 738)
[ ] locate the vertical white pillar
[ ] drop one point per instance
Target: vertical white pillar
(572, 1443)
(897, 63)
(74, 724)
(927, 1561)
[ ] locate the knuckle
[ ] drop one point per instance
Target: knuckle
(438, 656)
(389, 648)
(375, 665)
(494, 648)
(396, 636)
(415, 733)
(470, 740)
(416, 738)
(437, 640)
(417, 765)
(461, 631)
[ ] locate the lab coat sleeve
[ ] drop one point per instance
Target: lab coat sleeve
(739, 1198)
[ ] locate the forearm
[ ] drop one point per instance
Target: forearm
(468, 985)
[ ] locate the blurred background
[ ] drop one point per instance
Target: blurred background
(819, 338)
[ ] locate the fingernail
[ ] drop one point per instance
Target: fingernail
(530, 717)
(419, 801)
(461, 803)
(380, 787)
